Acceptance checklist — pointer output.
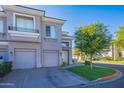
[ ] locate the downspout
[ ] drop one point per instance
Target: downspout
(68, 55)
(41, 43)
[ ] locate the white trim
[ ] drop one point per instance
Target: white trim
(23, 34)
(24, 10)
(2, 26)
(65, 37)
(3, 43)
(53, 20)
(2, 32)
(25, 15)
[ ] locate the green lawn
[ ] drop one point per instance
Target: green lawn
(95, 73)
(110, 62)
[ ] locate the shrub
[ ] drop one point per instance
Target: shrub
(5, 68)
(64, 63)
(106, 58)
(96, 58)
(87, 63)
(121, 59)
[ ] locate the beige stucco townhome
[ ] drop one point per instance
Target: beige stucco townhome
(30, 39)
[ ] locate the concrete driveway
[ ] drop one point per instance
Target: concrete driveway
(42, 77)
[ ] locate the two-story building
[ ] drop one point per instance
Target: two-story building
(30, 39)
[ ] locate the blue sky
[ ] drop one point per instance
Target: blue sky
(113, 16)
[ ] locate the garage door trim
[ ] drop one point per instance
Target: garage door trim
(44, 51)
(24, 50)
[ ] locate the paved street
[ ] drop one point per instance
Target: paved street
(42, 77)
(115, 84)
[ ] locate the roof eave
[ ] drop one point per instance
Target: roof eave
(51, 19)
(23, 9)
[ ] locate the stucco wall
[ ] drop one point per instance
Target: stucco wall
(40, 44)
(3, 35)
(52, 44)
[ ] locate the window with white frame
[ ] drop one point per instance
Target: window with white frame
(65, 44)
(24, 23)
(1, 25)
(51, 31)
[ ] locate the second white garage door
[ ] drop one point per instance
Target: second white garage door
(65, 56)
(51, 58)
(24, 58)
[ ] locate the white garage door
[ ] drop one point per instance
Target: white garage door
(24, 58)
(65, 56)
(51, 58)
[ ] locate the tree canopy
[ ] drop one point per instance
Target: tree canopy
(92, 38)
(119, 40)
(76, 52)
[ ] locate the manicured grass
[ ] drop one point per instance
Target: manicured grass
(95, 73)
(110, 62)
(107, 61)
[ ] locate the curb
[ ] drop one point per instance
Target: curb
(115, 76)
(117, 73)
(111, 76)
(106, 79)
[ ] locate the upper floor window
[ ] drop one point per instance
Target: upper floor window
(50, 31)
(24, 22)
(65, 44)
(1, 25)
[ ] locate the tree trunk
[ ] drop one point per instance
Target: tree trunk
(85, 57)
(116, 54)
(91, 66)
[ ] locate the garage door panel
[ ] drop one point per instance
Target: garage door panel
(24, 59)
(65, 56)
(25, 50)
(50, 58)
